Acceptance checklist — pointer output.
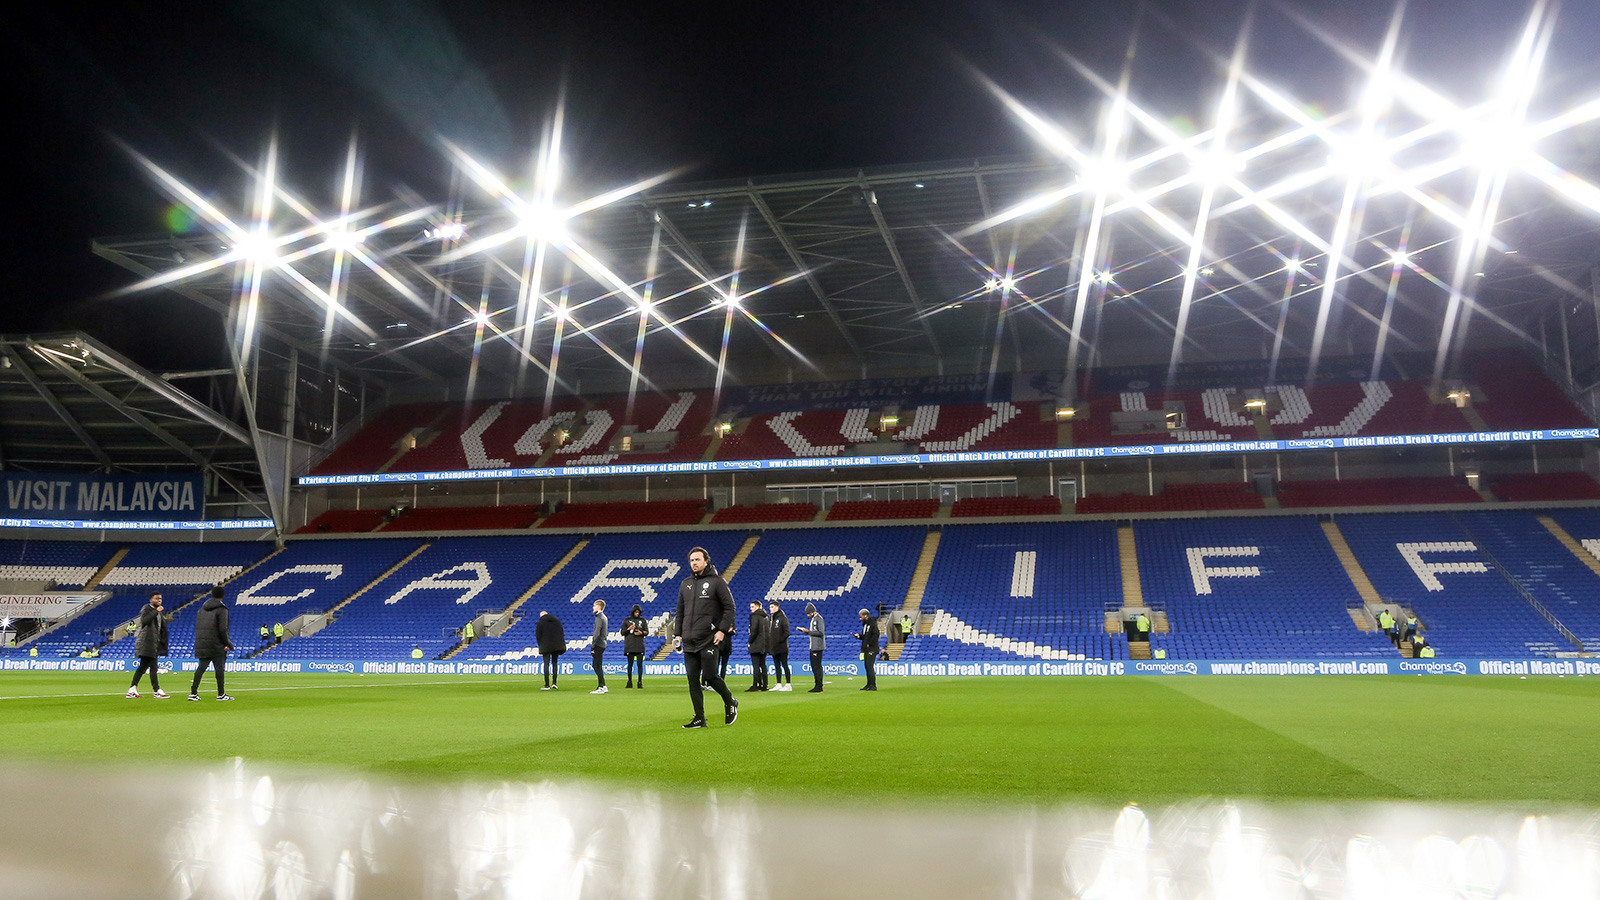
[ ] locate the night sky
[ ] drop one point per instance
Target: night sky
(770, 89)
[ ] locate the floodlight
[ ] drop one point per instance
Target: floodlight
(481, 318)
(1008, 283)
(918, 185)
(560, 313)
(1400, 258)
(730, 300)
(1106, 277)
(1207, 271)
(992, 284)
(705, 204)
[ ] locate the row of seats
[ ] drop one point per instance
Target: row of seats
(996, 507)
(1543, 487)
(1376, 492)
(766, 512)
(1176, 498)
(868, 510)
(608, 515)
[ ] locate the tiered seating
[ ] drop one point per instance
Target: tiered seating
(1546, 569)
(793, 434)
(308, 577)
(1467, 608)
(1242, 588)
(621, 569)
(1006, 506)
(344, 521)
(375, 444)
(958, 428)
(1208, 417)
(178, 570)
(1176, 498)
(866, 510)
(610, 515)
(841, 570)
(1376, 492)
(428, 600)
(1374, 407)
(686, 413)
(67, 563)
(1036, 590)
(1520, 396)
(1543, 488)
(766, 512)
(465, 518)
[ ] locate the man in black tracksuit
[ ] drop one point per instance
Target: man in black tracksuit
(211, 643)
(869, 647)
(758, 647)
(705, 618)
(552, 641)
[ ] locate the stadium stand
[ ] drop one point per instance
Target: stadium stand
(870, 510)
(464, 518)
(1426, 562)
(180, 571)
(1250, 588)
(1039, 590)
(68, 563)
(613, 515)
(1519, 395)
(425, 602)
(1376, 492)
(1370, 407)
(685, 414)
(841, 570)
(766, 512)
(621, 569)
(344, 521)
(995, 507)
(1543, 488)
(378, 442)
(1531, 555)
(1176, 498)
(310, 576)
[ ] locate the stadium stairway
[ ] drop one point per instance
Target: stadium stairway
(1128, 553)
(105, 570)
(333, 611)
(1352, 568)
(507, 615)
(918, 587)
(1560, 534)
(734, 564)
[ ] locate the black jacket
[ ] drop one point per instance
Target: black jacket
(151, 639)
(705, 607)
(759, 626)
(778, 634)
(551, 637)
(633, 632)
(211, 630)
(869, 637)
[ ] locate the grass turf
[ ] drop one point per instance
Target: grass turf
(1113, 740)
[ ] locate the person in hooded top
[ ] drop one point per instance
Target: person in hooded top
(150, 642)
(758, 640)
(552, 641)
(211, 643)
(634, 629)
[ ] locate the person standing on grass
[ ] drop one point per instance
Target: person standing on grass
(758, 647)
(778, 646)
(724, 651)
(211, 643)
(705, 619)
(634, 628)
(552, 641)
(868, 635)
(817, 630)
(597, 645)
(150, 642)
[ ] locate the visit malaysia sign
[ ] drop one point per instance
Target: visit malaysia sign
(102, 498)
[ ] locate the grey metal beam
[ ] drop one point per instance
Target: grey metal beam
(153, 383)
(55, 404)
(800, 265)
(692, 251)
(143, 421)
(900, 265)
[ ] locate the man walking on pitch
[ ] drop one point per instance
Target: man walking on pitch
(705, 618)
(211, 643)
(150, 642)
(758, 647)
(597, 645)
(818, 633)
(778, 646)
(869, 647)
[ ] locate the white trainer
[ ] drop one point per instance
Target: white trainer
(601, 690)
(132, 694)
(163, 695)
(195, 697)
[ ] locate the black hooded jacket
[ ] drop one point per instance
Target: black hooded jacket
(633, 632)
(551, 637)
(759, 628)
(705, 607)
(151, 639)
(211, 630)
(778, 636)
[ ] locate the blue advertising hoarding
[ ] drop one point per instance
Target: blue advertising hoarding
(969, 457)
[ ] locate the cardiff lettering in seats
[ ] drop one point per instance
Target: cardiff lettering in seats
(252, 596)
(1428, 572)
(646, 585)
(471, 587)
(1202, 573)
(780, 586)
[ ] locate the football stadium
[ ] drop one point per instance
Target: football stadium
(1205, 503)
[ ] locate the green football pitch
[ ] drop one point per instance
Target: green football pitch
(961, 740)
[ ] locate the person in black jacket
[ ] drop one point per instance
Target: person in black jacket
(552, 641)
(758, 647)
(869, 647)
(724, 651)
(778, 646)
(634, 628)
(211, 643)
(149, 643)
(705, 618)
